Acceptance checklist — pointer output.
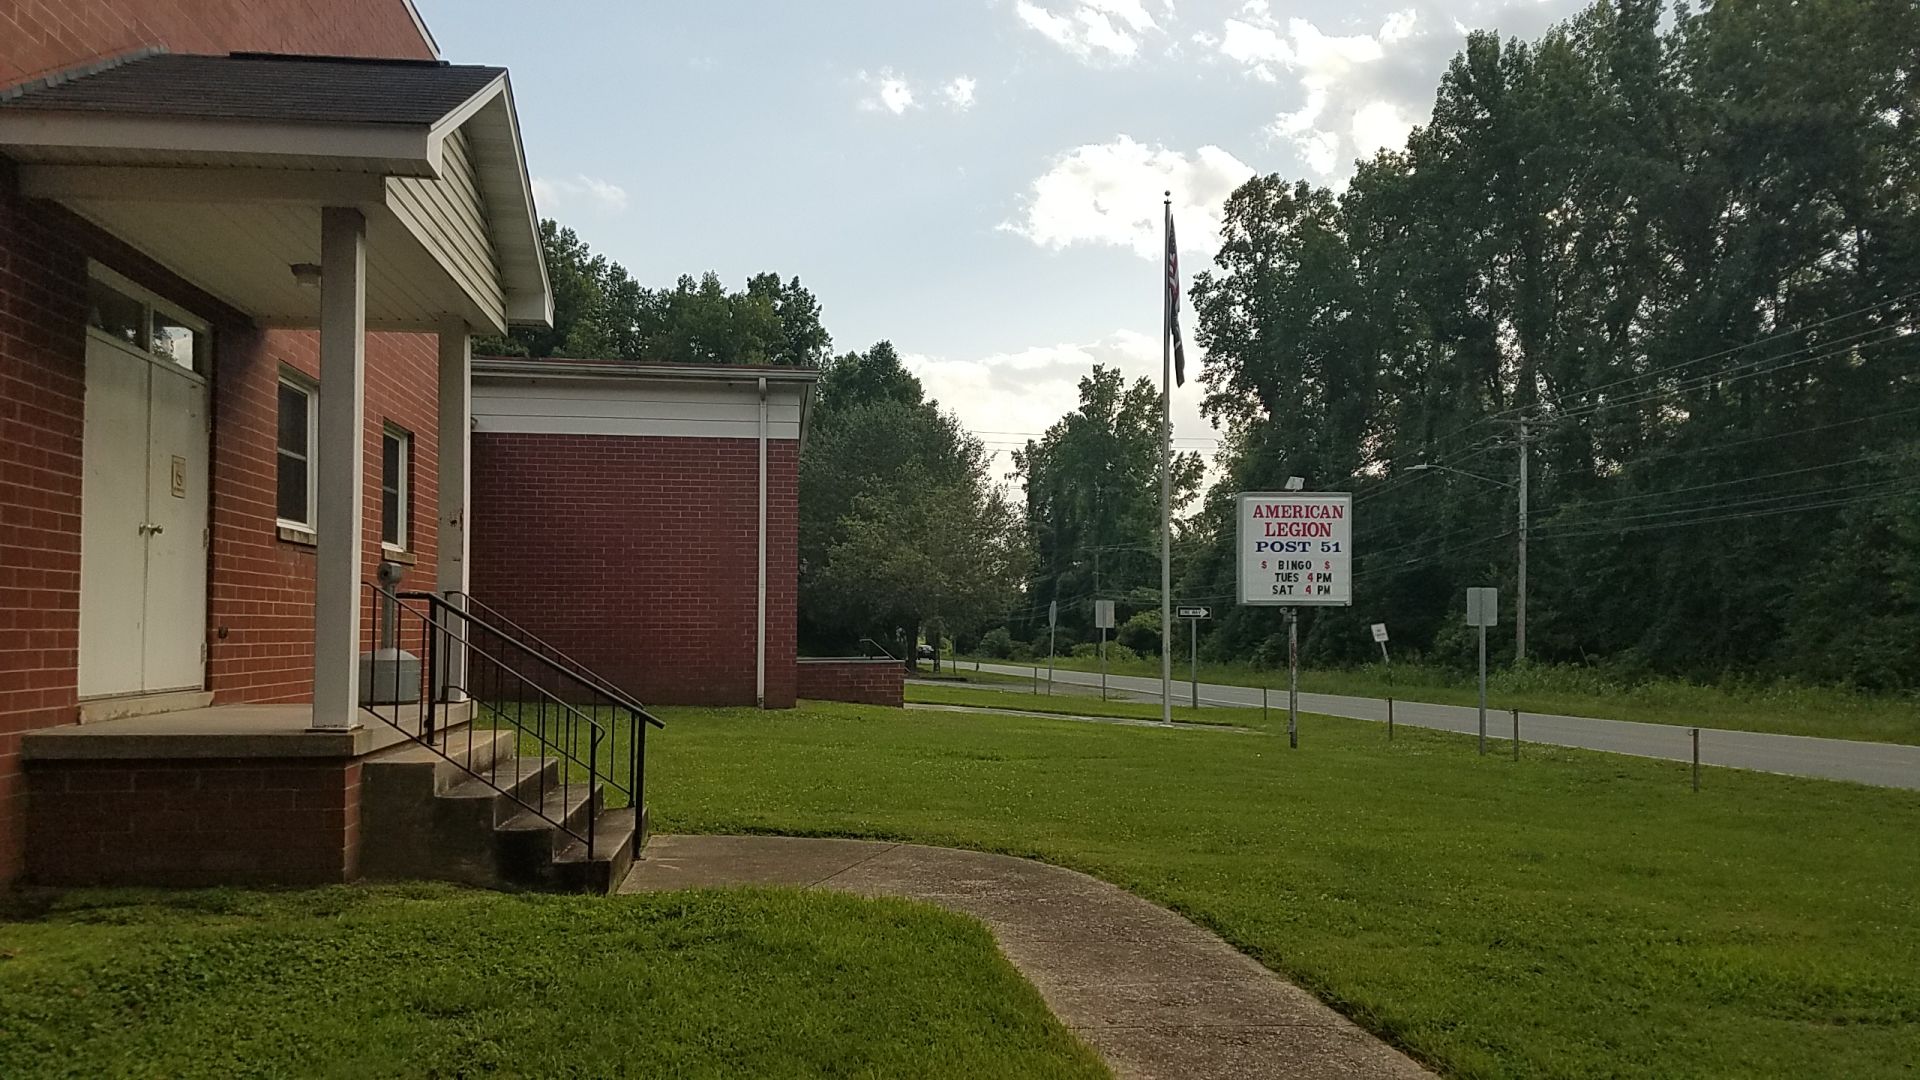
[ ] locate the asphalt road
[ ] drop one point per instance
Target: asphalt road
(1879, 764)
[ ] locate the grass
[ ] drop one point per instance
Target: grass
(1081, 704)
(1783, 709)
(1574, 914)
(439, 982)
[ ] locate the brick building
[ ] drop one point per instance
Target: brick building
(243, 246)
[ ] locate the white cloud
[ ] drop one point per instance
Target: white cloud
(1007, 398)
(888, 91)
(959, 93)
(1091, 29)
(581, 190)
(1378, 125)
(1110, 194)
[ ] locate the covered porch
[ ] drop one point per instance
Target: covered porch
(325, 198)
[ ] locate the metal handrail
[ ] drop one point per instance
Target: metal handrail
(432, 631)
(536, 643)
(877, 645)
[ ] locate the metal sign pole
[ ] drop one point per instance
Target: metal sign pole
(1103, 663)
(1193, 658)
(1050, 633)
(1293, 679)
(1483, 689)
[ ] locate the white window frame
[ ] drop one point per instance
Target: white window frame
(154, 303)
(403, 502)
(309, 390)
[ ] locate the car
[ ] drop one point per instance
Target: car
(926, 652)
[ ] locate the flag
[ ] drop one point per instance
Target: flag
(1173, 304)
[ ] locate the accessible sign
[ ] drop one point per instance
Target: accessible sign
(1295, 548)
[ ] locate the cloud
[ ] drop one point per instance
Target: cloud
(1109, 194)
(1359, 93)
(582, 190)
(888, 91)
(1093, 30)
(1007, 398)
(959, 93)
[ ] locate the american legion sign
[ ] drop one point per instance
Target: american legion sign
(1295, 548)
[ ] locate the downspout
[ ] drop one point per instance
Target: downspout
(760, 630)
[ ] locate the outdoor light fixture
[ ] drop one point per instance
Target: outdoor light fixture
(1296, 483)
(306, 274)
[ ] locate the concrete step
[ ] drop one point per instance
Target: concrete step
(510, 782)
(446, 763)
(605, 867)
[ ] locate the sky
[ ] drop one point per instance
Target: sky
(977, 181)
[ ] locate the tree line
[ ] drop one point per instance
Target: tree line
(1684, 249)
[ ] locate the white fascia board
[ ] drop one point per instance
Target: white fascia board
(587, 369)
(401, 149)
(529, 289)
(420, 24)
(181, 184)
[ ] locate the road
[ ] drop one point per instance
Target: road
(1879, 764)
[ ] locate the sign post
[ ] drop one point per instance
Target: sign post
(1193, 614)
(1483, 610)
(1053, 623)
(1103, 618)
(1295, 550)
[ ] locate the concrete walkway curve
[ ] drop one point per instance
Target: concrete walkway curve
(1153, 994)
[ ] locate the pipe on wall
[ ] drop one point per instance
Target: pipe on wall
(760, 633)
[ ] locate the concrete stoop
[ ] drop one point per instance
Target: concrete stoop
(424, 816)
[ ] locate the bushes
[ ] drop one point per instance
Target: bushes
(1141, 633)
(1116, 652)
(996, 644)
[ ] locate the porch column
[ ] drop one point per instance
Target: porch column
(456, 429)
(341, 468)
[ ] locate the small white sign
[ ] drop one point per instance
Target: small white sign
(1380, 632)
(1103, 614)
(1483, 607)
(1053, 614)
(1295, 548)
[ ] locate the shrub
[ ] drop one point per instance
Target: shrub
(1116, 652)
(996, 643)
(1141, 633)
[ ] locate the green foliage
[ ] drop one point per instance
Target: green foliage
(1572, 914)
(439, 982)
(1141, 633)
(1116, 652)
(1685, 251)
(602, 313)
(996, 644)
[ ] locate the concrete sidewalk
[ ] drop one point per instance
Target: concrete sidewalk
(1879, 764)
(1154, 994)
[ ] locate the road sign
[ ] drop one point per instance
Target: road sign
(1103, 614)
(1483, 607)
(1194, 612)
(1053, 614)
(1295, 548)
(1380, 632)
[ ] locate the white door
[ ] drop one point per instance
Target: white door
(143, 520)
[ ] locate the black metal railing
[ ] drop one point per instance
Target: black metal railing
(553, 707)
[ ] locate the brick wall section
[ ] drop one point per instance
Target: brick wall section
(864, 682)
(187, 823)
(42, 36)
(637, 555)
(261, 608)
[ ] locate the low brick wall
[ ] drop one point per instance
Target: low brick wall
(864, 682)
(191, 822)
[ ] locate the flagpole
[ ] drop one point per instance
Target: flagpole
(1166, 479)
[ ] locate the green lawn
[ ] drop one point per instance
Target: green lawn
(1575, 914)
(439, 982)
(1076, 704)
(1782, 709)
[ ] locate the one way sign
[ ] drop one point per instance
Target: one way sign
(1193, 612)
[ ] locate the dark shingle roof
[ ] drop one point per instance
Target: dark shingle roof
(253, 86)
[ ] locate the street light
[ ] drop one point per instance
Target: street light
(1520, 599)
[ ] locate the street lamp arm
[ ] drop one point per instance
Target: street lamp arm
(1429, 467)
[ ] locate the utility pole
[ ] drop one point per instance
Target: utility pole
(1520, 600)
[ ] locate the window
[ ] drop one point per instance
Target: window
(396, 458)
(134, 317)
(295, 483)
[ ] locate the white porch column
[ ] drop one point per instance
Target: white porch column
(341, 468)
(456, 430)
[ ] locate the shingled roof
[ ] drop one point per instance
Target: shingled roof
(260, 87)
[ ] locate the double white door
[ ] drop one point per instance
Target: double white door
(143, 525)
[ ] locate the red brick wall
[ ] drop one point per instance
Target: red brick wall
(864, 682)
(186, 823)
(637, 555)
(41, 36)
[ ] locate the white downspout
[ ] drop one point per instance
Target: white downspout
(760, 629)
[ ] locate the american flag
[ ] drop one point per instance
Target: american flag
(1173, 304)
